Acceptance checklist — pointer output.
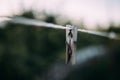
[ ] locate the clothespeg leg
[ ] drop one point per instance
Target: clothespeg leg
(71, 38)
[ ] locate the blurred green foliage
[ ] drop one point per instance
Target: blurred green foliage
(27, 51)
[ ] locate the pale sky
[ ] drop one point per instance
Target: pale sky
(92, 12)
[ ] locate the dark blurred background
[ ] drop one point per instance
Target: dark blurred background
(38, 53)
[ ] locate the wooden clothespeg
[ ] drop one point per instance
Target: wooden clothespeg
(71, 38)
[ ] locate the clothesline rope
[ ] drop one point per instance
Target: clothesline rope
(38, 23)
